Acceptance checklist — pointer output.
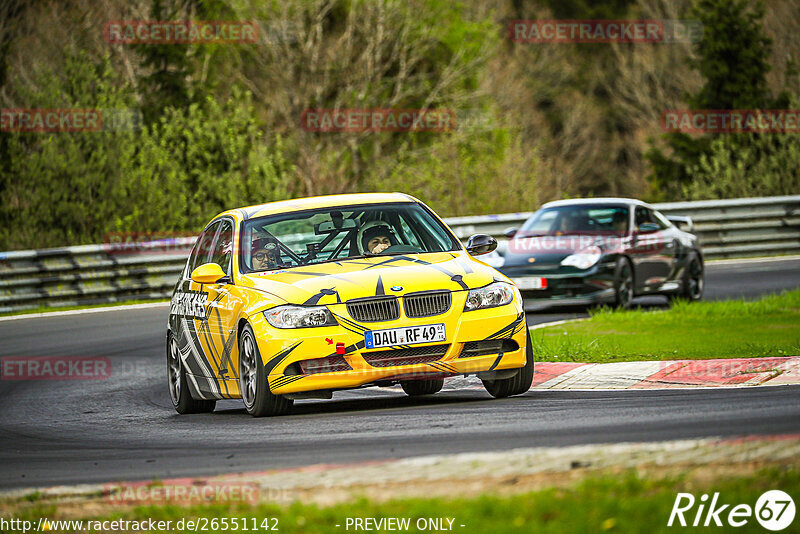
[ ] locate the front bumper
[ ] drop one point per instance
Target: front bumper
(567, 286)
(283, 351)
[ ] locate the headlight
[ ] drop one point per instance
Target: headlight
(493, 295)
(583, 259)
(299, 317)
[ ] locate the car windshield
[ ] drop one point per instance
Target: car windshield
(332, 234)
(577, 219)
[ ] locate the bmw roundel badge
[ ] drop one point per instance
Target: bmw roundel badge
(396, 288)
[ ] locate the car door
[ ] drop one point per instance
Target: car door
(188, 315)
(218, 332)
(653, 251)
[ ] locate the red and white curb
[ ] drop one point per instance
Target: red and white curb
(734, 372)
(329, 483)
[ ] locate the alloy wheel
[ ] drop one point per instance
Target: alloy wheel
(248, 370)
(174, 370)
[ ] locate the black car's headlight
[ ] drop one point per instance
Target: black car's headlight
(583, 259)
(300, 317)
(491, 296)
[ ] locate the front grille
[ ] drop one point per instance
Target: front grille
(426, 304)
(490, 346)
(414, 355)
(329, 364)
(373, 309)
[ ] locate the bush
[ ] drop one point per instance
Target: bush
(73, 188)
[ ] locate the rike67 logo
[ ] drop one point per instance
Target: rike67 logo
(774, 510)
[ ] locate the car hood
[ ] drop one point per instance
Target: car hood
(332, 282)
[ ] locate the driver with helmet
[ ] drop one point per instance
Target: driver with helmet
(265, 254)
(375, 237)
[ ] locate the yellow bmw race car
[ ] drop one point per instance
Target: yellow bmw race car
(300, 298)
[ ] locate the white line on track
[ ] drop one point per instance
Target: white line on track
(753, 260)
(87, 310)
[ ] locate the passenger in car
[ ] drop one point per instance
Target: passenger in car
(265, 254)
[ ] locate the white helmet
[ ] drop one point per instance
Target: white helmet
(367, 226)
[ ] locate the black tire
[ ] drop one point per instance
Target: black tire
(414, 388)
(258, 399)
(517, 384)
(693, 281)
(624, 289)
(182, 399)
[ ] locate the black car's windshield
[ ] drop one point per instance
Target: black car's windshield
(331, 234)
(577, 219)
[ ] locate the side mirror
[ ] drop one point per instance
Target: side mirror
(510, 232)
(481, 244)
(208, 273)
(648, 228)
(679, 220)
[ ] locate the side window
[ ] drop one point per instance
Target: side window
(641, 216)
(409, 234)
(644, 215)
(202, 248)
(661, 220)
(223, 247)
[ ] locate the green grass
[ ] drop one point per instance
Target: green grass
(50, 309)
(623, 502)
(701, 330)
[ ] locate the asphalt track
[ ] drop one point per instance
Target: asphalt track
(70, 432)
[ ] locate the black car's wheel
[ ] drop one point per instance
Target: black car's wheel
(693, 282)
(517, 384)
(623, 284)
(414, 388)
(178, 389)
(258, 399)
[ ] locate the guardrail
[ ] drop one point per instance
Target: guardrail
(95, 274)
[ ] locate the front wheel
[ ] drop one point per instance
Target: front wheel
(517, 384)
(414, 388)
(623, 285)
(258, 399)
(182, 399)
(693, 282)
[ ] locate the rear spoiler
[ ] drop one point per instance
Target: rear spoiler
(679, 220)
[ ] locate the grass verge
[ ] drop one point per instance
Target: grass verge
(701, 330)
(623, 501)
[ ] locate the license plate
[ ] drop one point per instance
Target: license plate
(408, 335)
(531, 282)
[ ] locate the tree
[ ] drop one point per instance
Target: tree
(732, 58)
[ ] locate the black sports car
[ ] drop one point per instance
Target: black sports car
(602, 250)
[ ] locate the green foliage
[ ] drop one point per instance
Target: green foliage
(63, 187)
(563, 120)
(464, 174)
(197, 162)
(732, 57)
(588, 9)
(72, 188)
(747, 165)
